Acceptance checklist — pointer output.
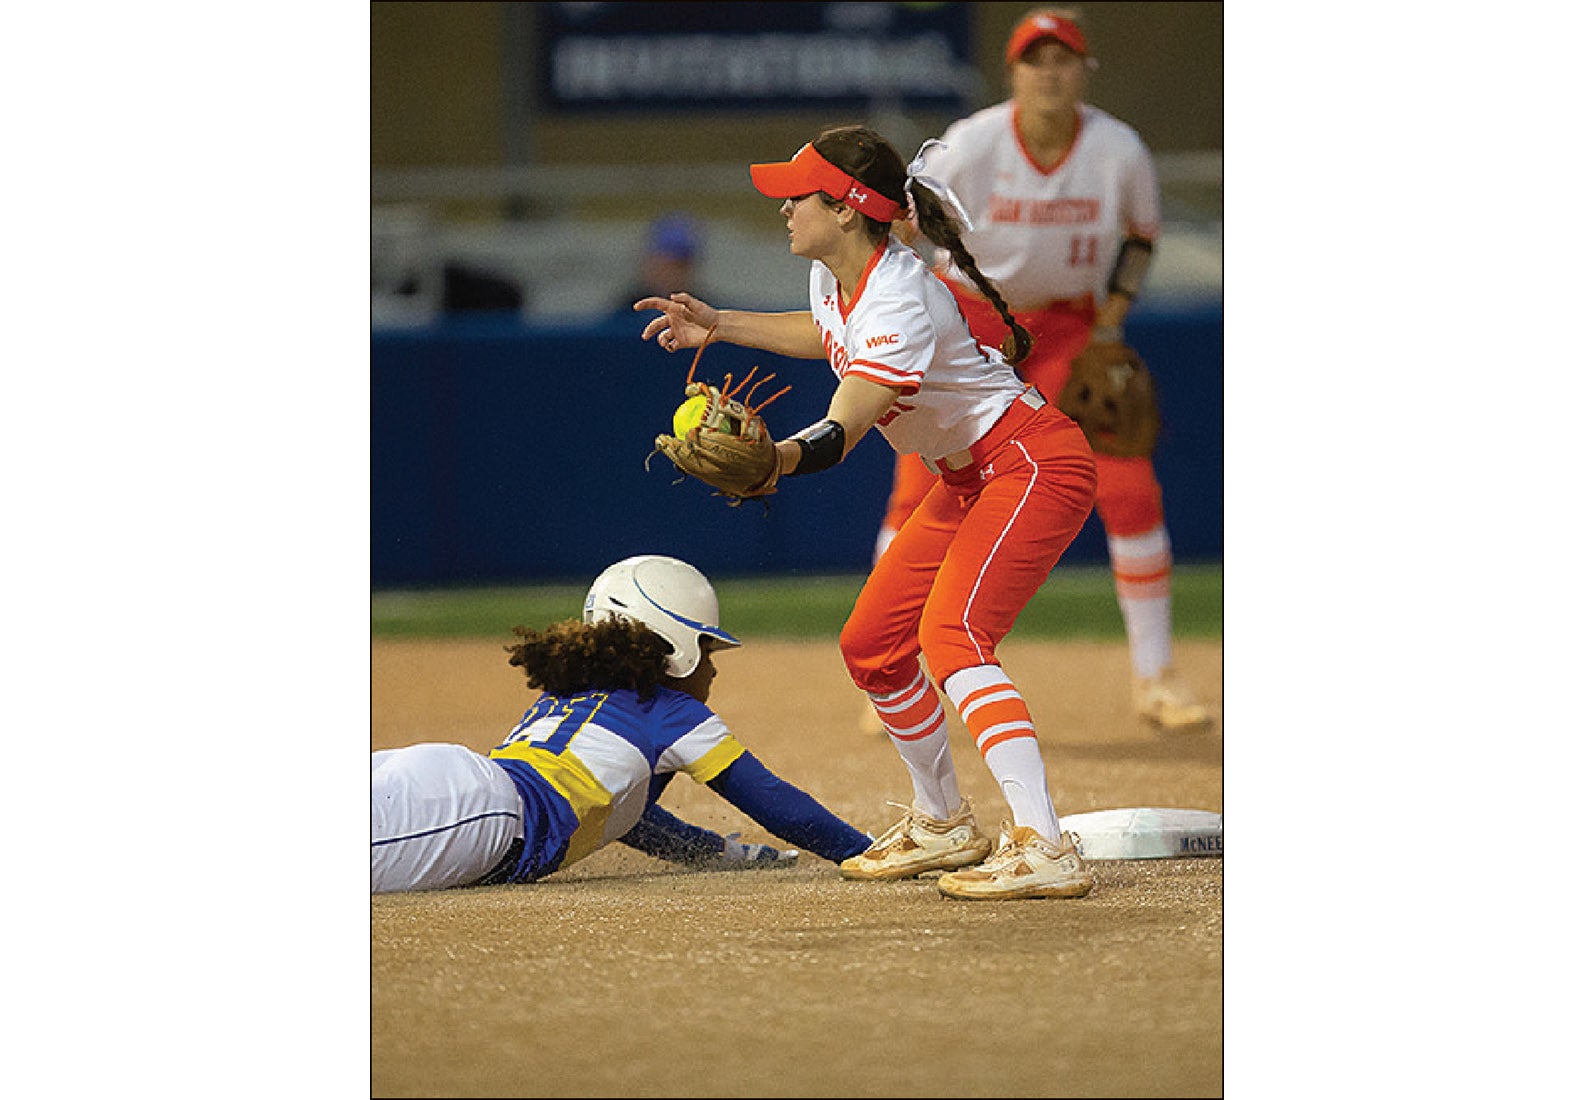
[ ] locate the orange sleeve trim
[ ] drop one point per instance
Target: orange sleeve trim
(886, 376)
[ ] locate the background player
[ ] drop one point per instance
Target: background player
(624, 708)
(1016, 481)
(1064, 203)
(669, 260)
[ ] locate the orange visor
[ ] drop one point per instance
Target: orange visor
(808, 172)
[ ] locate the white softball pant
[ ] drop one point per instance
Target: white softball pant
(441, 816)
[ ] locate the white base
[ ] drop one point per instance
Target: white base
(1146, 833)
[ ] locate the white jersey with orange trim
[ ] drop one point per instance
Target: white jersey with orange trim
(1043, 234)
(903, 329)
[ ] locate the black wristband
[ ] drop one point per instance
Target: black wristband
(822, 444)
(1129, 270)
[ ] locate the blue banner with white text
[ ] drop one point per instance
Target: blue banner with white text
(719, 57)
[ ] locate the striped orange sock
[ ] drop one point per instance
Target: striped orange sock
(992, 708)
(914, 720)
(1003, 730)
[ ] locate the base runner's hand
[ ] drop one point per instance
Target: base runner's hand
(741, 857)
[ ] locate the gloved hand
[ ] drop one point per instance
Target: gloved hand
(737, 856)
(1110, 395)
(727, 446)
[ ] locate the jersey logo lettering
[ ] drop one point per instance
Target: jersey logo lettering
(834, 351)
(1002, 208)
(877, 341)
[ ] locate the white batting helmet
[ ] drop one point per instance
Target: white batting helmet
(669, 597)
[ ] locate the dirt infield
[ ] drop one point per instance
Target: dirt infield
(625, 976)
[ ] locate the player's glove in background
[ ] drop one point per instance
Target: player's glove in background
(1110, 395)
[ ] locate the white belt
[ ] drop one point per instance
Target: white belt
(959, 459)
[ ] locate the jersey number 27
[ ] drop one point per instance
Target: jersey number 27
(553, 721)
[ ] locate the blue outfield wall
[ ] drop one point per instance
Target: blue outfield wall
(503, 453)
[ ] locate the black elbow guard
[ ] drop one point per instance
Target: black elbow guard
(1129, 271)
(822, 445)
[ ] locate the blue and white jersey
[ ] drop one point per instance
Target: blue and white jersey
(584, 765)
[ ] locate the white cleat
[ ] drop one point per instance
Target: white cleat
(918, 843)
(1166, 703)
(1026, 866)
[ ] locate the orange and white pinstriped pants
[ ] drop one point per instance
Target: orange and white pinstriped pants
(1129, 498)
(972, 554)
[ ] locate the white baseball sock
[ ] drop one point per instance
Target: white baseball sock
(1141, 568)
(913, 719)
(1001, 725)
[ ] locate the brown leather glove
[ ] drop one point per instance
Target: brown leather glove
(728, 449)
(1110, 395)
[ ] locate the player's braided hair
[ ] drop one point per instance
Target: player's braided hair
(571, 657)
(870, 159)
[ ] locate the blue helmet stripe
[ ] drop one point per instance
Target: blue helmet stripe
(702, 628)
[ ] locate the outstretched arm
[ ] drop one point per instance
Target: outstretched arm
(685, 322)
(785, 811)
(663, 835)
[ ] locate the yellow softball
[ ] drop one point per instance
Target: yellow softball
(688, 414)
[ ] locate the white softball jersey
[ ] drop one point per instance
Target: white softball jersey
(903, 328)
(1045, 233)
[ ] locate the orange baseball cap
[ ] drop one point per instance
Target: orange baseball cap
(1046, 25)
(808, 172)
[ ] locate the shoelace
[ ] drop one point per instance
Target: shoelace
(899, 828)
(1008, 851)
(1005, 843)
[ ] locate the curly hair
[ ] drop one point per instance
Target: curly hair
(571, 657)
(870, 159)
